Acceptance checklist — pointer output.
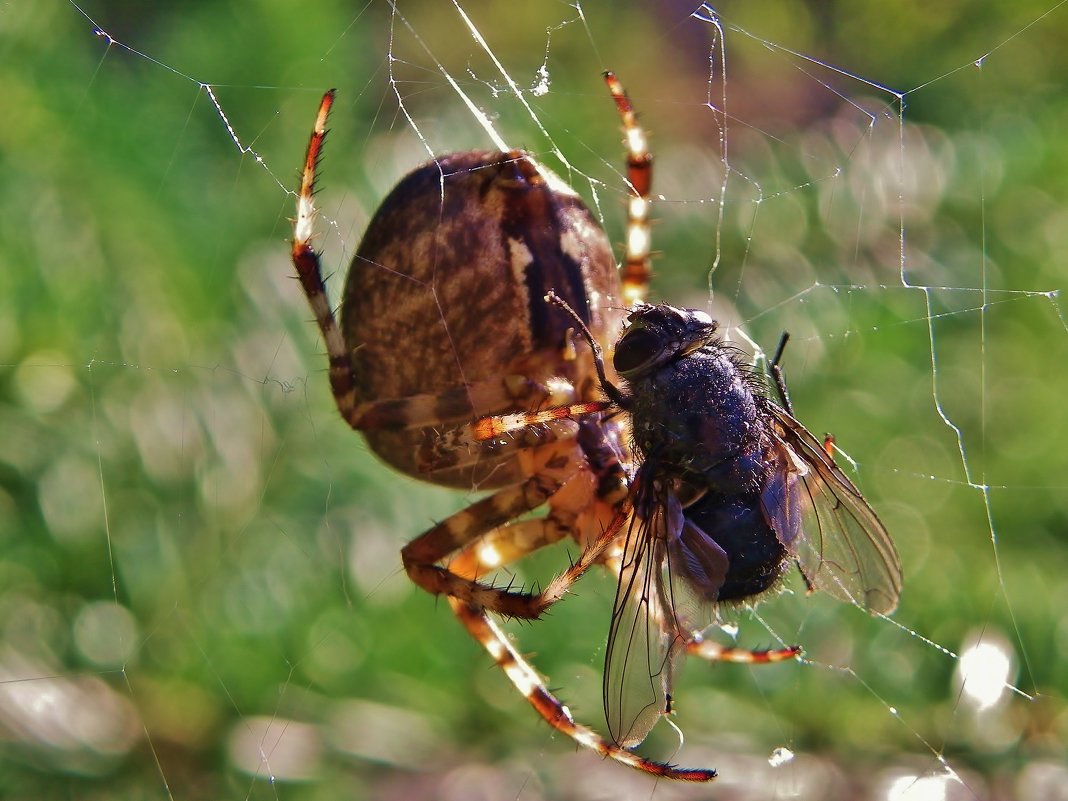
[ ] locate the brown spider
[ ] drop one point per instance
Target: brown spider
(461, 305)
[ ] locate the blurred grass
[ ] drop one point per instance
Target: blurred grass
(197, 559)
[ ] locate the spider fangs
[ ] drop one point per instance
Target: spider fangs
(446, 320)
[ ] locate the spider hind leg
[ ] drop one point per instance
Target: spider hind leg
(554, 712)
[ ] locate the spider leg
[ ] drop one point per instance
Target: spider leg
(552, 710)
(584, 508)
(636, 260)
(519, 671)
(494, 426)
(452, 406)
(493, 434)
(506, 545)
(714, 652)
(309, 271)
(556, 477)
(420, 556)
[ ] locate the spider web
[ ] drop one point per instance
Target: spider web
(200, 592)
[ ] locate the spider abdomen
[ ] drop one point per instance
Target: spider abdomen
(447, 290)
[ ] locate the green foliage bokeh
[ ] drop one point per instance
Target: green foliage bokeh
(191, 542)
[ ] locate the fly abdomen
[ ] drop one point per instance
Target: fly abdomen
(756, 557)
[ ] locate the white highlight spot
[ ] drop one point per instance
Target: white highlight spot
(488, 555)
(496, 649)
(573, 245)
(512, 422)
(780, 756)
(918, 788)
(637, 241)
(541, 83)
(638, 208)
(522, 680)
(520, 257)
(983, 672)
(302, 230)
(557, 184)
(636, 142)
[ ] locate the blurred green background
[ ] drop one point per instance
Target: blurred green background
(200, 588)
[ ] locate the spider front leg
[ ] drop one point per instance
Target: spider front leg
(584, 508)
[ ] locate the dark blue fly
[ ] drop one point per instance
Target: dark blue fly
(730, 490)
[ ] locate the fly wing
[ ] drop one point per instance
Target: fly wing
(643, 637)
(844, 548)
(696, 569)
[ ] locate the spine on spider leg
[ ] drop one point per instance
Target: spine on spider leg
(303, 226)
(309, 271)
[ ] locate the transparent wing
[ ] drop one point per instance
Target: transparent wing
(670, 575)
(642, 636)
(844, 549)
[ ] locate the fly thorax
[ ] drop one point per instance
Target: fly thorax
(698, 415)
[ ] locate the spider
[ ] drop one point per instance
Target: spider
(457, 358)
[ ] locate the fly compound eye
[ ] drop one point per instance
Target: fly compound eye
(638, 349)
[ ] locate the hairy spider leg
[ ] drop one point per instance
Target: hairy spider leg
(583, 508)
(453, 405)
(549, 707)
(556, 477)
(636, 260)
(531, 685)
(714, 652)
